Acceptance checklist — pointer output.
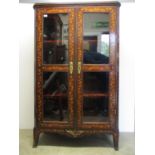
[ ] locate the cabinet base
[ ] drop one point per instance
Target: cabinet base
(74, 134)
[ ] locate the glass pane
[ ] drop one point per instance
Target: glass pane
(96, 38)
(55, 38)
(95, 109)
(55, 97)
(95, 82)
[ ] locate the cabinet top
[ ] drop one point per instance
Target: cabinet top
(43, 5)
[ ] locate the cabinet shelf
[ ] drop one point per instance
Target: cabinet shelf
(55, 95)
(95, 94)
(54, 41)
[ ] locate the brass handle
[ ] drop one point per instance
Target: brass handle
(79, 67)
(71, 67)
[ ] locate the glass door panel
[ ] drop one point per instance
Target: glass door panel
(55, 38)
(95, 82)
(95, 109)
(95, 38)
(55, 96)
(95, 96)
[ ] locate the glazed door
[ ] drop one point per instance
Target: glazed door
(96, 67)
(55, 53)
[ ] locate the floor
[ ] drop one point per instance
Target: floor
(52, 144)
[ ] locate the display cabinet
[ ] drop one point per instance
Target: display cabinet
(76, 69)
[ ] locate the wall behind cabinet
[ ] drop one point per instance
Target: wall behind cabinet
(26, 60)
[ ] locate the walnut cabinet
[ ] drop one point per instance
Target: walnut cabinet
(76, 69)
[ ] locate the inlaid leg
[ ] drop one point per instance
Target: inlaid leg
(115, 140)
(36, 134)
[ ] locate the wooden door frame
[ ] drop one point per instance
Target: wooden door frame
(111, 68)
(40, 68)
